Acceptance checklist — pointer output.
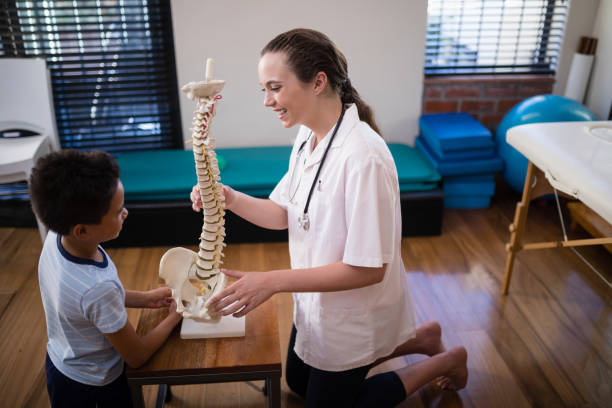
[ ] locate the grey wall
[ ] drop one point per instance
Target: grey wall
(383, 41)
(599, 96)
(579, 23)
(589, 18)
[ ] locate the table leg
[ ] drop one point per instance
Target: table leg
(518, 225)
(273, 388)
(163, 391)
(137, 397)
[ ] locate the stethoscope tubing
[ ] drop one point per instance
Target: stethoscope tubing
(331, 140)
(303, 220)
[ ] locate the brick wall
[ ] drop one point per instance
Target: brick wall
(487, 98)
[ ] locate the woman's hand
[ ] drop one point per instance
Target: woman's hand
(249, 291)
(160, 297)
(196, 199)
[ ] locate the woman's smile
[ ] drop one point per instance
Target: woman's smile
(281, 113)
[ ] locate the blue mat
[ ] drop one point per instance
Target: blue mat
(447, 132)
(461, 167)
(467, 188)
(466, 154)
(467, 202)
(414, 171)
(471, 177)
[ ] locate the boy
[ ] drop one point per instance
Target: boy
(79, 197)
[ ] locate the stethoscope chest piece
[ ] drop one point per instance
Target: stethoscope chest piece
(304, 222)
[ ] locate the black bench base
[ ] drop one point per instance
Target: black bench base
(174, 223)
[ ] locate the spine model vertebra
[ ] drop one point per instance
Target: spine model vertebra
(205, 273)
(211, 192)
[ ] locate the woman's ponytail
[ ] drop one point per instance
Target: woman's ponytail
(350, 95)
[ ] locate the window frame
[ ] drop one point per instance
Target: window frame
(544, 45)
(135, 111)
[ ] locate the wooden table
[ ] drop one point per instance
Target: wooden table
(253, 357)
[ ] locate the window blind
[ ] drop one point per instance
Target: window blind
(494, 36)
(112, 68)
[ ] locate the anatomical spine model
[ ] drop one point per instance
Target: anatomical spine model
(195, 278)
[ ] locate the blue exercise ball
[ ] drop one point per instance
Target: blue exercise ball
(536, 109)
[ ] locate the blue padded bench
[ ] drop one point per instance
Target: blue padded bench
(157, 186)
(169, 174)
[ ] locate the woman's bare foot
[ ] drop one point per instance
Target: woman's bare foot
(432, 338)
(449, 366)
(456, 377)
(432, 342)
(427, 341)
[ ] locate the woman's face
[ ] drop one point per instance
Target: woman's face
(290, 98)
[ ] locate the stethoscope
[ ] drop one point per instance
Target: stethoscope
(303, 220)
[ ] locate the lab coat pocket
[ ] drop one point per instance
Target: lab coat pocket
(327, 216)
(346, 336)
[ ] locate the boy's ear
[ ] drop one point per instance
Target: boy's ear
(80, 232)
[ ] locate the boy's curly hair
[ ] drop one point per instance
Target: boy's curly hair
(70, 187)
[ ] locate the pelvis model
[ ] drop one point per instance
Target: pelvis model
(196, 277)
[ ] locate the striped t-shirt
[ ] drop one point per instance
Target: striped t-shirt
(83, 299)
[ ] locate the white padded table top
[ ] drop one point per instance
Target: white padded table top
(19, 155)
(575, 156)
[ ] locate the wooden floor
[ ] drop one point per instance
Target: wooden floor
(548, 344)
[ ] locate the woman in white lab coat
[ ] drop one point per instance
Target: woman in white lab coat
(340, 202)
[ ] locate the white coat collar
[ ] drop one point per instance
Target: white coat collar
(350, 120)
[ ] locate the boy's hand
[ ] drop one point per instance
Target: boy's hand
(160, 297)
(172, 310)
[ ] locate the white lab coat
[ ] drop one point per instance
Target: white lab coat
(355, 217)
